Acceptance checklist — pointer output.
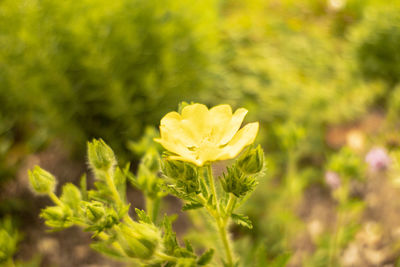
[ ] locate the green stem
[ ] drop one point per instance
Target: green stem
(214, 191)
(111, 185)
(55, 199)
(224, 236)
(222, 223)
(231, 205)
(166, 257)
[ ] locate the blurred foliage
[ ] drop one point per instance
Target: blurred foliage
(96, 68)
(377, 40)
(71, 71)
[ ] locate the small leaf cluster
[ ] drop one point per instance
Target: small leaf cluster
(9, 238)
(240, 178)
(104, 211)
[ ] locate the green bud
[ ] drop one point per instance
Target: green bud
(57, 217)
(138, 240)
(185, 174)
(237, 183)
(252, 161)
(41, 181)
(100, 155)
(94, 211)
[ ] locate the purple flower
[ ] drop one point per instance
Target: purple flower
(378, 159)
(332, 179)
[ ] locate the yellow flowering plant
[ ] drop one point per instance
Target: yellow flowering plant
(200, 135)
(194, 140)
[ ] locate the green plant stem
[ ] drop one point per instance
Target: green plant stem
(166, 257)
(111, 185)
(231, 205)
(223, 231)
(55, 199)
(222, 222)
(214, 191)
(116, 196)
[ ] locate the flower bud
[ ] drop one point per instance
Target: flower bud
(100, 155)
(252, 161)
(57, 217)
(184, 173)
(138, 240)
(237, 183)
(94, 211)
(41, 181)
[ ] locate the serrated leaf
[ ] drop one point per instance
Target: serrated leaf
(206, 257)
(203, 188)
(192, 206)
(242, 220)
(143, 217)
(210, 200)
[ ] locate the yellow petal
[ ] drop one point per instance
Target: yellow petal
(233, 126)
(171, 124)
(243, 138)
(173, 145)
(220, 117)
(187, 159)
(195, 119)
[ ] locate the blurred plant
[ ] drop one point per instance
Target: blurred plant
(147, 53)
(9, 238)
(104, 210)
(376, 40)
(378, 159)
(343, 168)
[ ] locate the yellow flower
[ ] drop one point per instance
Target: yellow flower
(199, 135)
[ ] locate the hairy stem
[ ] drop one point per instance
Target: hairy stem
(55, 199)
(111, 186)
(222, 221)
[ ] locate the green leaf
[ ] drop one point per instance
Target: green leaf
(71, 196)
(192, 206)
(242, 220)
(188, 245)
(203, 188)
(143, 217)
(107, 250)
(206, 257)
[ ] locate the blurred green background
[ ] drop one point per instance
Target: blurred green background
(310, 71)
